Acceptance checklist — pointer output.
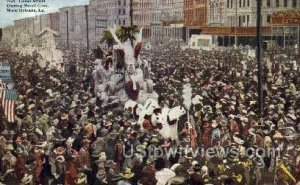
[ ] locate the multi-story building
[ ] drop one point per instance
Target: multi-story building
(73, 26)
(104, 13)
(64, 26)
(8, 34)
(54, 21)
(156, 24)
(142, 16)
(216, 12)
(234, 21)
(45, 21)
(166, 20)
(172, 20)
(195, 16)
(24, 25)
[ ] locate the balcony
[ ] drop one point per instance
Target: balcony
(239, 31)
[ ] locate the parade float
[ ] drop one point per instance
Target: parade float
(43, 44)
(50, 55)
(23, 44)
(121, 78)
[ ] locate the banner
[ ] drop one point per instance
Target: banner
(5, 74)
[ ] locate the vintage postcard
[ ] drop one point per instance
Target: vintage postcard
(149, 92)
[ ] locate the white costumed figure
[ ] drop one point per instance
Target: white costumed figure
(172, 118)
(136, 86)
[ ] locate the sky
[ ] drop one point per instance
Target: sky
(7, 18)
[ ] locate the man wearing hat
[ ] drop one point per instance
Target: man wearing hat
(206, 137)
(127, 174)
(196, 177)
(20, 163)
(71, 172)
(148, 173)
(216, 133)
(84, 156)
(162, 174)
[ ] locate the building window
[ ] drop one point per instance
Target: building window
(268, 3)
(228, 2)
(124, 23)
(285, 3)
(277, 3)
(294, 3)
(248, 3)
(124, 2)
(119, 2)
(248, 20)
(269, 18)
(240, 3)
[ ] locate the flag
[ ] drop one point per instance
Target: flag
(9, 99)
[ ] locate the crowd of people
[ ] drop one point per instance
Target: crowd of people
(65, 135)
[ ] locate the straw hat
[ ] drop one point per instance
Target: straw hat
(214, 124)
(26, 179)
(154, 140)
(73, 104)
(60, 159)
(81, 178)
(277, 135)
(59, 150)
(218, 105)
(9, 147)
(102, 157)
(31, 106)
(127, 174)
(64, 116)
(39, 150)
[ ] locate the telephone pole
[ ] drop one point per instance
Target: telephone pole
(87, 27)
(67, 13)
(131, 17)
(260, 101)
(131, 13)
(236, 24)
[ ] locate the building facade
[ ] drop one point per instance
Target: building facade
(173, 20)
(8, 35)
(142, 17)
(104, 13)
(195, 16)
(233, 22)
(73, 27)
(167, 20)
(156, 24)
(54, 21)
(24, 25)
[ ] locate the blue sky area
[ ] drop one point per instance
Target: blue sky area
(7, 18)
